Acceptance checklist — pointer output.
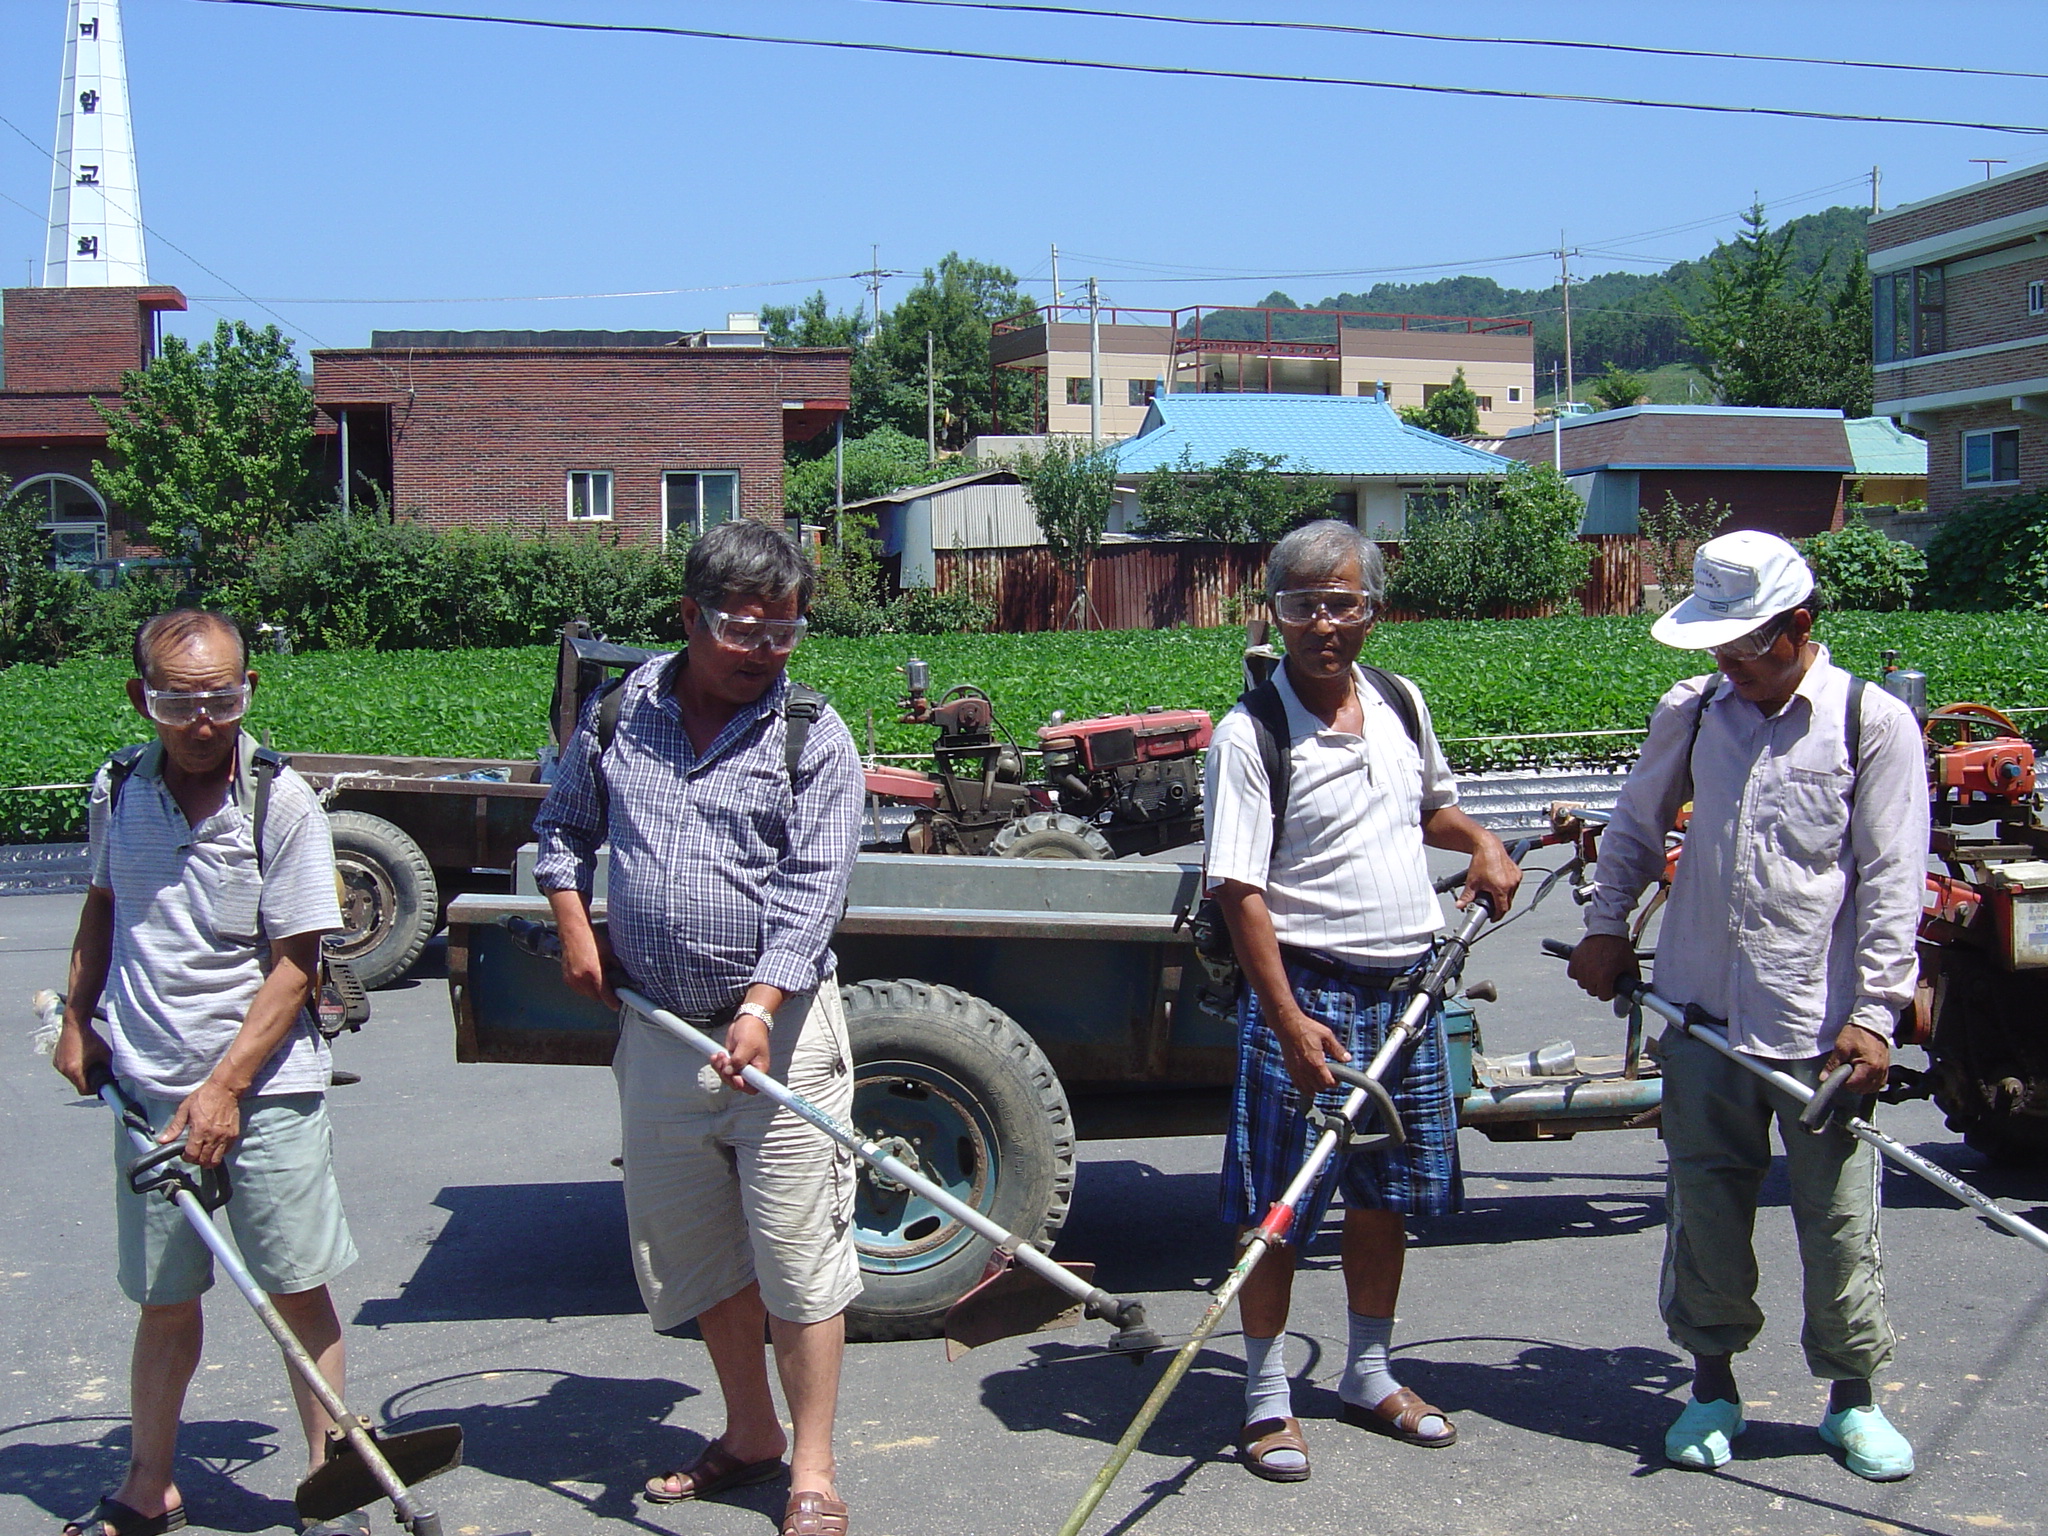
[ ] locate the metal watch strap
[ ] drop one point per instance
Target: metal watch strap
(756, 1011)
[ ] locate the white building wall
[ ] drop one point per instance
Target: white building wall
(95, 238)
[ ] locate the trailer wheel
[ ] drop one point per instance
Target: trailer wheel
(1051, 835)
(953, 1087)
(389, 902)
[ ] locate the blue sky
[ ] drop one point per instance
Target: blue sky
(307, 156)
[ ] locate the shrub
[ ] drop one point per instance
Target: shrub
(1675, 532)
(923, 611)
(1991, 554)
(37, 603)
(1860, 568)
(1511, 546)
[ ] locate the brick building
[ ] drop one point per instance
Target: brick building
(642, 433)
(62, 349)
(1959, 286)
(1781, 471)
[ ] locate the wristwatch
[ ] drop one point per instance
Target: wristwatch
(757, 1011)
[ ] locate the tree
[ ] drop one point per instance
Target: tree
(1774, 338)
(1674, 533)
(1497, 547)
(1452, 411)
(885, 460)
(1071, 487)
(36, 601)
(1244, 498)
(1617, 389)
(210, 446)
(813, 324)
(956, 303)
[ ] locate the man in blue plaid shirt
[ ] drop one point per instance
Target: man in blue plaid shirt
(729, 863)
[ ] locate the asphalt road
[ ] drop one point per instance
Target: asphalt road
(494, 1289)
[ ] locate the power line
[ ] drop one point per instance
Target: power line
(1452, 37)
(1182, 72)
(562, 298)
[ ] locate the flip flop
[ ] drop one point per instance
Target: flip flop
(110, 1514)
(713, 1472)
(813, 1514)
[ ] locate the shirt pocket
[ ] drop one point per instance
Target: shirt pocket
(1813, 820)
(234, 899)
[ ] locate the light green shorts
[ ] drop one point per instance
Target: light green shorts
(284, 1210)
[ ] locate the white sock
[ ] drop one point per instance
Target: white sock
(1268, 1394)
(1368, 1380)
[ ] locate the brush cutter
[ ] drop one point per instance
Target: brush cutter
(1339, 1130)
(1024, 1292)
(1818, 1103)
(363, 1465)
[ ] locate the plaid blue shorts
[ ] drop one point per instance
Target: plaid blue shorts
(1270, 1134)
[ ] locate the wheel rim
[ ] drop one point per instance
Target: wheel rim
(369, 904)
(912, 1106)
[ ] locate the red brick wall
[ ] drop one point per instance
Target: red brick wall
(1792, 505)
(1984, 307)
(487, 437)
(68, 339)
(1959, 212)
(1942, 372)
(1945, 488)
(22, 461)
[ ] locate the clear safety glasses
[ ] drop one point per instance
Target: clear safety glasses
(745, 634)
(1340, 605)
(1750, 646)
(223, 707)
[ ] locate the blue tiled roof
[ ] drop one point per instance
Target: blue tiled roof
(1315, 434)
(1880, 447)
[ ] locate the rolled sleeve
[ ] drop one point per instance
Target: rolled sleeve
(1888, 835)
(1632, 846)
(1240, 806)
(298, 864)
(807, 890)
(569, 825)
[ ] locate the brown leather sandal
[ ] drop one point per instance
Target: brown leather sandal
(814, 1514)
(713, 1472)
(1260, 1438)
(1399, 1416)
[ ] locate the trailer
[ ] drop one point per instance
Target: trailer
(1001, 1011)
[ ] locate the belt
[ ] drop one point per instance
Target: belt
(1345, 970)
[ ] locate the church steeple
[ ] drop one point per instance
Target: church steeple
(95, 197)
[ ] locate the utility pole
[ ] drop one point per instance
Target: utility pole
(1564, 283)
(1987, 164)
(1094, 363)
(874, 276)
(1556, 425)
(839, 483)
(931, 405)
(1876, 179)
(1058, 298)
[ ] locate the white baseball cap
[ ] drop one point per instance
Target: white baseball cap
(1740, 582)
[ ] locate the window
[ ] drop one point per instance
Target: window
(1514, 394)
(1078, 392)
(1991, 458)
(590, 495)
(1141, 391)
(1909, 314)
(2037, 297)
(694, 501)
(1431, 391)
(72, 514)
(1485, 402)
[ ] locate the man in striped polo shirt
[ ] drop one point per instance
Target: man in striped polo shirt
(1329, 906)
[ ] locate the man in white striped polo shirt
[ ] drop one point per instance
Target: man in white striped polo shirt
(1329, 905)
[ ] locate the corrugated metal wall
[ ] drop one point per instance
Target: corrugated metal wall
(1159, 585)
(984, 516)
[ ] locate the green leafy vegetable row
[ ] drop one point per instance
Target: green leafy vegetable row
(1512, 677)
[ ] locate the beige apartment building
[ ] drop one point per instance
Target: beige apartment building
(1209, 350)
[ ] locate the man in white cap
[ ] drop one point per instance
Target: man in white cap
(1792, 916)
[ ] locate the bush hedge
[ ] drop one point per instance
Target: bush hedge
(1990, 554)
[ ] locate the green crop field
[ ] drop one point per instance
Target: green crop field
(1516, 677)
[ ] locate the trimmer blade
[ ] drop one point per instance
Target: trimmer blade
(1008, 1304)
(345, 1483)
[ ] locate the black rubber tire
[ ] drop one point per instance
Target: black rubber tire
(2009, 1143)
(1051, 835)
(1031, 1138)
(389, 899)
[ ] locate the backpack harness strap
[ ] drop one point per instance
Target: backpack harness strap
(1269, 724)
(1852, 732)
(264, 767)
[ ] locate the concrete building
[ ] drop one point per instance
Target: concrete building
(1959, 289)
(1781, 471)
(1375, 465)
(644, 434)
(1210, 350)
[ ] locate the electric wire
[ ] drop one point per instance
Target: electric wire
(561, 298)
(1182, 72)
(1453, 37)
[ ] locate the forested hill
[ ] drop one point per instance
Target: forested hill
(1630, 319)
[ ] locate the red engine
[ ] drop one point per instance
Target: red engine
(1137, 772)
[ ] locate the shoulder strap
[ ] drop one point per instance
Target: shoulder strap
(1269, 727)
(1852, 736)
(1389, 687)
(264, 767)
(1699, 718)
(799, 713)
(120, 769)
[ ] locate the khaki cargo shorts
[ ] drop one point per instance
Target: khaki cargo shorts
(724, 1187)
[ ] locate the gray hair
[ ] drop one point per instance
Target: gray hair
(1316, 551)
(180, 626)
(745, 558)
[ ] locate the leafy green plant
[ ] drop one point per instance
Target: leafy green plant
(922, 611)
(1674, 533)
(1494, 548)
(1071, 487)
(1991, 553)
(1858, 567)
(1616, 389)
(1453, 411)
(37, 603)
(1245, 497)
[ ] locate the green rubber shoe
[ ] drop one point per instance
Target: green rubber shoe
(1870, 1446)
(1704, 1436)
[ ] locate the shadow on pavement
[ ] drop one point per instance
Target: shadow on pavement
(63, 1478)
(565, 1434)
(519, 1251)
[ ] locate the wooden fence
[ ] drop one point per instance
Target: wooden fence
(1173, 582)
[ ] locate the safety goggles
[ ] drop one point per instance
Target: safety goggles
(1340, 605)
(745, 634)
(222, 707)
(1750, 646)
